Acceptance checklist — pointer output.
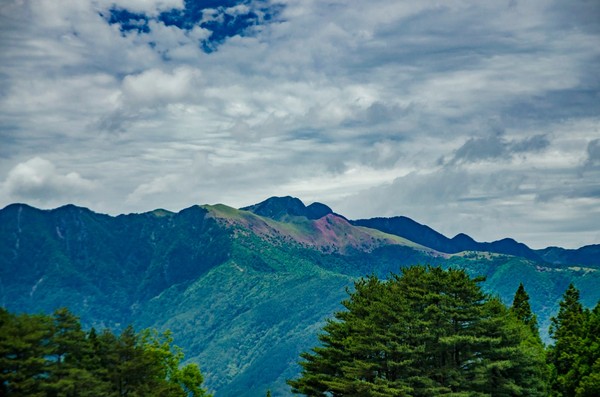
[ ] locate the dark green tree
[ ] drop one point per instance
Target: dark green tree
(25, 344)
(567, 329)
(70, 372)
(51, 356)
(425, 332)
(513, 361)
(522, 309)
(588, 360)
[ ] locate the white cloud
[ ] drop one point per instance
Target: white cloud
(329, 99)
(240, 9)
(37, 180)
(157, 187)
(487, 206)
(148, 7)
(155, 87)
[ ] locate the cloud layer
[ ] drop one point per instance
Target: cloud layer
(471, 117)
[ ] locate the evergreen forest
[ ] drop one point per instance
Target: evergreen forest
(424, 332)
(51, 356)
(433, 332)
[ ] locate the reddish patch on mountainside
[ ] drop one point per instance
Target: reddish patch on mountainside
(336, 233)
(330, 233)
(327, 226)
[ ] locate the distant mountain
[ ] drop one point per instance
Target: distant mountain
(278, 208)
(245, 291)
(103, 265)
(586, 256)
(411, 230)
(424, 235)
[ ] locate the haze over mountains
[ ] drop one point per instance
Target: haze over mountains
(245, 291)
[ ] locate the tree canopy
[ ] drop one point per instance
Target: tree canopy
(522, 309)
(424, 332)
(575, 356)
(51, 356)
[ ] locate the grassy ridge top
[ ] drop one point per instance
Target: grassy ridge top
(330, 233)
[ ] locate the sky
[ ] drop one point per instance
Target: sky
(477, 117)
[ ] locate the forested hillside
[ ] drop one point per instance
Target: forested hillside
(424, 332)
(430, 332)
(244, 292)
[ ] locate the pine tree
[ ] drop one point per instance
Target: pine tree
(425, 332)
(568, 331)
(588, 360)
(51, 356)
(513, 361)
(68, 375)
(24, 346)
(522, 309)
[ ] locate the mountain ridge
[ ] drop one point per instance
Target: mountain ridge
(401, 226)
(424, 235)
(279, 207)
(243, 293)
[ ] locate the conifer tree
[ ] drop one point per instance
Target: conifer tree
(425, 332)
(51, 356)
(68, 375)
(514, 361)
(568, 331)
(522, 309)
(24, 347)
(588, 360)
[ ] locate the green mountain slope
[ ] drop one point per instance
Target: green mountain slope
(243, 293)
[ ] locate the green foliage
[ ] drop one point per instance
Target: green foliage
(425, 332)
(522, 309)
(167, 358)
(244, 295)
(575, 356)
(24, 346)
(51, 356)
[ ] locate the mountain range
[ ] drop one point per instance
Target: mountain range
(245, 291)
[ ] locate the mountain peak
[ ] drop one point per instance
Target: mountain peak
(71, 208)
(280, 207)
(462, 237)
(317, 211)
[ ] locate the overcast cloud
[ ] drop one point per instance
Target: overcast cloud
(468, 116)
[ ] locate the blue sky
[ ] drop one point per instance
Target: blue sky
(468, 116)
